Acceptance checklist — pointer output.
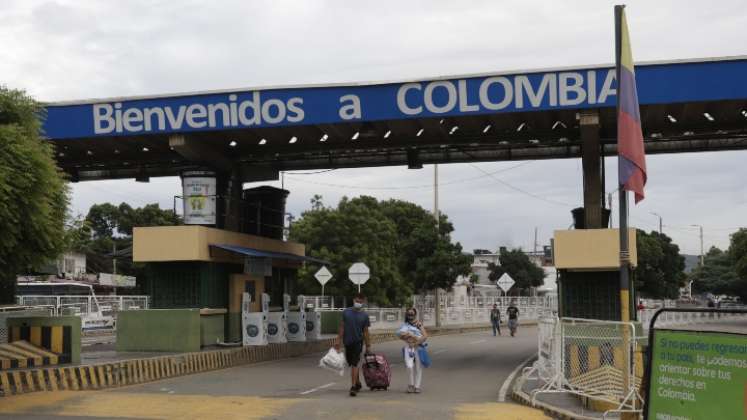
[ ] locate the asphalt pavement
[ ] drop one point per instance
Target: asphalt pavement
(464, 382)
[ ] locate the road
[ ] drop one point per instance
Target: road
(463, 383)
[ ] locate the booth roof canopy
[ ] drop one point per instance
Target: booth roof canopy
(686, 106)
(251, 252)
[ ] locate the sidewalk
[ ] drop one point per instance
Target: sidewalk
(558, 405)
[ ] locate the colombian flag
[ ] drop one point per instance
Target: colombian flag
(631, 155)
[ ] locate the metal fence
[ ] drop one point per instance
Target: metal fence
(82, 305)
(429, 301)
(321, 302)
(668, 319)
(391, 318)
(592, 358)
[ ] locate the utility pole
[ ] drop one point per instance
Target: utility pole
(435, 196)
(661, 232)
(438, 233)
(702, 256)
(535, 240)
(114, 265)
(609, 200)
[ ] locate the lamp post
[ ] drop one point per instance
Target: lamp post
(660, 220)
(702, 258)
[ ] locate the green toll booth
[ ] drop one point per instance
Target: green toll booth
(588, 266)
(198, 267)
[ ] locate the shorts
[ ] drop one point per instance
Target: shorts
(353, 353)
(513, 323)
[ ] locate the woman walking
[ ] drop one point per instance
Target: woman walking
(413, 333)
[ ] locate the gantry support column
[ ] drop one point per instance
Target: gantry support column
(591, 160)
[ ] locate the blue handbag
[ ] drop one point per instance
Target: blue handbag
(425, 358)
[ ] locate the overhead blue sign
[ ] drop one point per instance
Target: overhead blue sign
(531, 91)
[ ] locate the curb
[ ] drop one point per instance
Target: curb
(138, 371)
(523, 398)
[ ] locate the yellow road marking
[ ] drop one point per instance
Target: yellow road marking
(145, 406)
(490, 411)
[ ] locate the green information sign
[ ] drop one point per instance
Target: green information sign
(698, 375)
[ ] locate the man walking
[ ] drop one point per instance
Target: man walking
(353, 332)
(513, 317)
(495, 319)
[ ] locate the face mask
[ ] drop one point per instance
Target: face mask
(409, 317)
(357, 305)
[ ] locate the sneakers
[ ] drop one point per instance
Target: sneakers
(353, 391)
(358, 387)
(417, 390)
(410, 389)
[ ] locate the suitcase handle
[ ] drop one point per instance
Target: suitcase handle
(370, 360)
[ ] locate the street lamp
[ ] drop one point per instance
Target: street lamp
(702, 263)
(660, 220)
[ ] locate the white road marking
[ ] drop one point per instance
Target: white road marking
(507, 382)
(478, 341)
(440, 351)
(317, 388)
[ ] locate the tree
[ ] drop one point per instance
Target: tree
(717, 275)
(355, 231)
(107, 227)
(424, 252)
(33, 192)
(661, 269)
(518, 265)
(396, 239)
(724, 272)
(738, 253)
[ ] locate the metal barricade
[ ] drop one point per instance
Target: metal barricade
(591, 358)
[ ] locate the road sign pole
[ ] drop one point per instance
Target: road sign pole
(322, 290)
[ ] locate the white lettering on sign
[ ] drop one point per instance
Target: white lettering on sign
(351, 108)
(111, 118)
(500, 92)
(439, 97)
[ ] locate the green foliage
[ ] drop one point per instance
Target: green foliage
(738, 253)
(107, 220)
(661, 269)
(518, 265)
(717, 275)
(396, 239)
(33, 192)
(107, 227)
(78, 235)
(724, 272)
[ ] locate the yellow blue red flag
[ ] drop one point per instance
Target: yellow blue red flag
(631, 154)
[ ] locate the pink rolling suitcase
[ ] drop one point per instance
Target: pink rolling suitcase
(376, 371)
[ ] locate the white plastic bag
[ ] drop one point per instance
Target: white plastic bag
(334, 361)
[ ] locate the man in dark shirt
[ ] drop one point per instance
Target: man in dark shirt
(495, 319)
(513, 317)
(353, 332)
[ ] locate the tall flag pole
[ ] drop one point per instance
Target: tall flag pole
(631, 161)
(631, 155)
(630, 152)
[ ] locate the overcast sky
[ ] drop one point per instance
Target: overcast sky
(64, 50)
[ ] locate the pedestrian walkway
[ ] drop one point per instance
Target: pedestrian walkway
(463, 383)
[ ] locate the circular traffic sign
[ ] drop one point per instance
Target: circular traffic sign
(359, 273)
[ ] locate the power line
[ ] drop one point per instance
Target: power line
(506, 184)
(410, 187)
(311, 173)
